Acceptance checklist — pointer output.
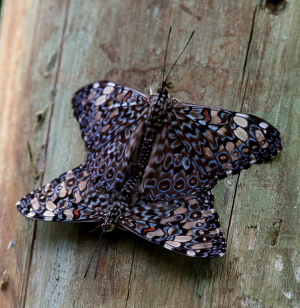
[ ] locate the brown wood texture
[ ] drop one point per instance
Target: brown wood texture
(243, 57)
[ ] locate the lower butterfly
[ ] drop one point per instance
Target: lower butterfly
(152, 162)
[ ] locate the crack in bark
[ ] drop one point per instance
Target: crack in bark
(130, 274)
(30, 257)
(233, 205)
(243, 99)
(248, 48)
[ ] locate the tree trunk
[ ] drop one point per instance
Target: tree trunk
(244, 57)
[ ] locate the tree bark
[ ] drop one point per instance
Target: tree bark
(244, 57)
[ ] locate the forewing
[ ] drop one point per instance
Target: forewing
(188, 225)
(222, 142)
(105, 109)
(199, 145)
(69, 198)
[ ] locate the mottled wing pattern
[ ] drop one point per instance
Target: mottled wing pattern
(105, 109)
(200, 145)
(171, 171)
(111, 119)
(109, 164)
(225, 141)
(173, 206)
(69, 198)
(187, 225)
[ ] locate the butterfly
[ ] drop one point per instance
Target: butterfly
(151, 165)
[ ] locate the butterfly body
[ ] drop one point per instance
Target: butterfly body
(151, 165)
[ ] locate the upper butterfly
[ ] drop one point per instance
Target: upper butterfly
(152, 162)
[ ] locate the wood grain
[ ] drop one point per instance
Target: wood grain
(243, 58)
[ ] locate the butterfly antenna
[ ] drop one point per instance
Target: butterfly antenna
(180, 55)
(168, 39)
(98, 246)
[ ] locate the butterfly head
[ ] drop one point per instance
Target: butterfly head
(164, 91)
(108, 227)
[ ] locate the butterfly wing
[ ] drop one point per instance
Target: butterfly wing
(105, 109)
(111, 119)
(171, 171)
(69, 198)
(234, 141)
(188, 225)
(109, 164)
(199, 145)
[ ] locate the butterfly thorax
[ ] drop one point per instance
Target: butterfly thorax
(158, 108)
(114, 214)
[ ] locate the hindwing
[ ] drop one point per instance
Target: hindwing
(69, 198)
(187, 225)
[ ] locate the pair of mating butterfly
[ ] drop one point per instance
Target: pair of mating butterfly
(151, 164)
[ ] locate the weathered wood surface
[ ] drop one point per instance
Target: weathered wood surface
(242, 57)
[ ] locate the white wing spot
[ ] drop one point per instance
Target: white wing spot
(48, 215)
(241, 133)
(189, 225)
(180, 210)
(202, 246)
(82, 185)
(263, 125)
(171, 244)
(182, 238)
(158, 232)
(107, 90)
(261, 138)
(100, 100)
(216, 231)
(51, 206)
(167, 220)
(31, 214)
(69, 213)
(240, 121)
(208, 212)
(191, 253)
(35, 204)
(63, 190)
(242, 115)
(69, 175)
